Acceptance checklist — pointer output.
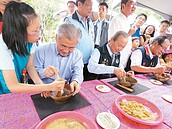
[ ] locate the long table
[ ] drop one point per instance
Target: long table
(154, 95)
(17, 111)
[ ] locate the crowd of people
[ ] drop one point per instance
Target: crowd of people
(84, 50)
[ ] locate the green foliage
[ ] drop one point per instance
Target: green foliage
(46, 9)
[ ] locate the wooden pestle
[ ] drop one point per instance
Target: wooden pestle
(126, 88)
(59, 93)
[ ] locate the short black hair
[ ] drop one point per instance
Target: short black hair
(104, 4)
(71, 2)
(134, 38)
(82, 1)
(16, 19)
(165, 21)
(123, 2)
(142, 14)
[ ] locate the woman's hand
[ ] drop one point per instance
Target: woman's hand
(56, 85)
(46, 94)
(147, 36)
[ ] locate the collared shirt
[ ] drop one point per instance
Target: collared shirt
(136, 56)
(69, 67)
(118, 23)
(99, 30)
(109, 50)
(95, 67)
(86, 42)
(84, 22)
(121, 23)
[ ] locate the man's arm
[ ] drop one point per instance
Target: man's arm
(95, 67)
(136, 59)
(78, 68)
(32, 71)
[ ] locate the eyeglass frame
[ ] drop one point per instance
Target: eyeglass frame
(37, 32)
(63, 47)
(161, 46)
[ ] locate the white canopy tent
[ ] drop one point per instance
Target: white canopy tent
(162, 7)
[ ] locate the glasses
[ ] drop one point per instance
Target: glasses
(36, 32)
(163, 48)
(63, 47)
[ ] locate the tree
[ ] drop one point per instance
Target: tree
(45, 9)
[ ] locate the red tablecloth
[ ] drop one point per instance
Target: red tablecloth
(154, 95)
(17, 111)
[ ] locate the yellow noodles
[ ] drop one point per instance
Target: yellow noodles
(136, 110)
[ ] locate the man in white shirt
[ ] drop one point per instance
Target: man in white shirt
(145, 59)
(105, 60)
(163, 27)
(121, 23)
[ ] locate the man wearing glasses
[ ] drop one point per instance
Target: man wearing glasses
(61, 58)
(145, 59)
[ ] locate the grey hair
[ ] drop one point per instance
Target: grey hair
(68, 31)
(119, 33)
(160, 39)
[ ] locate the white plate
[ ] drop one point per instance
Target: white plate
(167, 97)
(156, 82)
(108, 120)
(103, 88)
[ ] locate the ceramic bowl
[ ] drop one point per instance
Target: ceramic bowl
(129, 81)
(65, 96)
(163, 78)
